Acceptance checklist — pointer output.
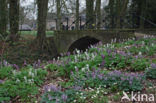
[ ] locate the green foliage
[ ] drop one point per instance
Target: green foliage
(5, 72)
(15, 88)
(51, 67)
(59, 96)
(116, 61)
(143, 46)
(114, 80)
(67, 68)
(30, 75)
(4, 95)
(151, 72)
(139, 64)
(23, 83)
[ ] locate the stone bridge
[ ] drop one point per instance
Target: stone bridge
(70, 40)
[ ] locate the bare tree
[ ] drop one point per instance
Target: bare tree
(14, 19)
(3, 17)
(77, 14)
(98, 13)
(58, 8)
(42, 15)
(89, 13)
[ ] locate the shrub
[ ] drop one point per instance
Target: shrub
(21, 89)
(151, 72)
(5, 72)
(23, 83)
(139, 64)
(115, 80)
(53, 94)
(30, 75)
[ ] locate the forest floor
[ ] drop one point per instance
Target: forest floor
(98, 75)
(23, 50)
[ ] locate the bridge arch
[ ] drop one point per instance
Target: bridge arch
(83, 43)
(68, 40)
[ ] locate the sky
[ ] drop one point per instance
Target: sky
(26, 3)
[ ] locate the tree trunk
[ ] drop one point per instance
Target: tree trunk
(77, 15)
(3, 17)
(42, 15)
(142, 16)
(118, 8)
(14, 19)
(121, 10)
(98, 13)
(111, 10)
(90, 13)
(58, 8)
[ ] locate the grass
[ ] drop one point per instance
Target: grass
(34, 33)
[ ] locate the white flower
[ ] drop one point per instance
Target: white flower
(49, 89)
(25, 78)
(150, 87)
(147, 48)
(87, 65)
(83, 69)
(115, 83)
(84, 97)
(140, 53)
(17, 80)
(14, 72)
(98, 92)
(105, 93)
(30, 73)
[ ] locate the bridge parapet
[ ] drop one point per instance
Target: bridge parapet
(64, 39)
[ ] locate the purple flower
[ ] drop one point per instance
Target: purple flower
(153, 66)
(64, 97)
(76, 69)
(39, 62)
(122, 53)
(16, 66)
(50, 97)
(123, 79)
(68, 53)
(1, 81)
(72, 73)
(109, 51)
(5, 63)
(25, 63)
(136, 57)
(100, 76)
(93, 75)
(103, 64)
(53, 88)
(61, 54)
(130, 82)
(103, 57)
(77, 87)
(106, 78)
(48, 88)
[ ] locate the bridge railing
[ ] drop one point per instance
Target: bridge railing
(90, 25)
